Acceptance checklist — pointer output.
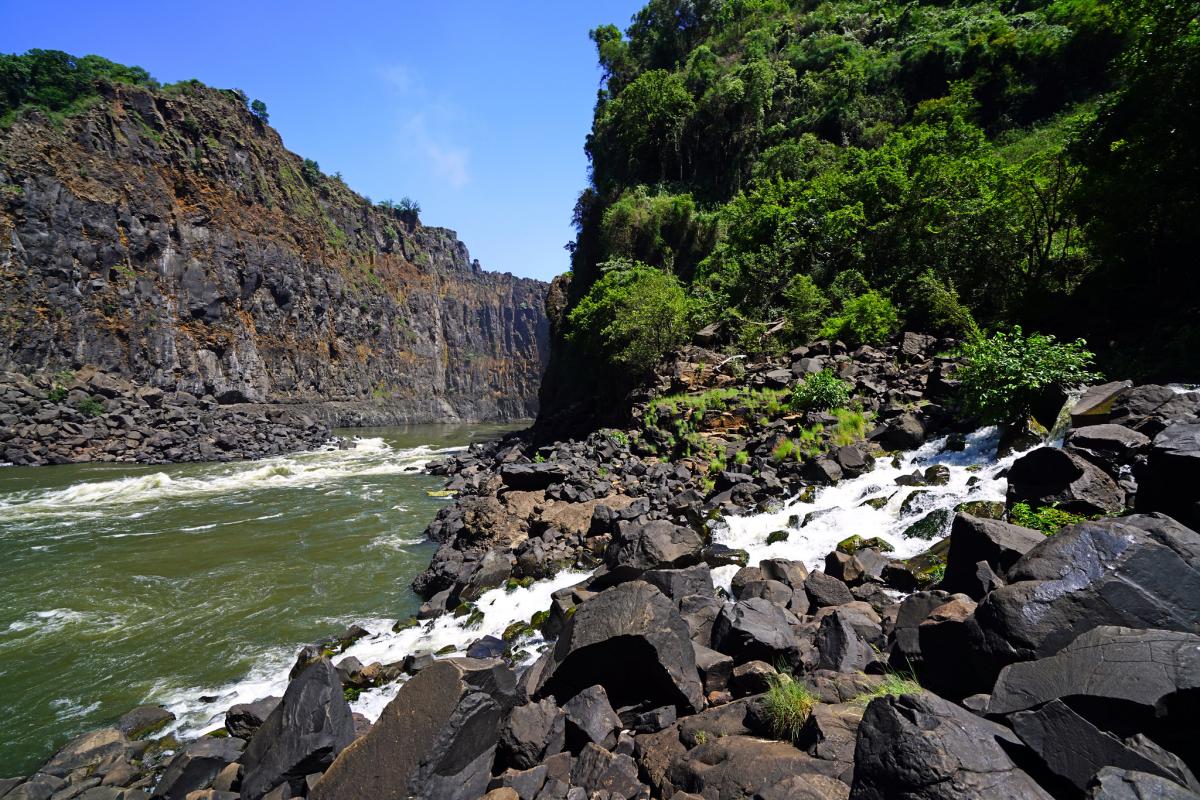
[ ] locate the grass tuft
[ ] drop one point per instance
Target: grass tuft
(788, 705)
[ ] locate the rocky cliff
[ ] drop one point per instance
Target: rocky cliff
(169, 238)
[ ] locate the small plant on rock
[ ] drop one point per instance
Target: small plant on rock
(90, 407)
(788, 704)
(1047, 519)
(894, 685)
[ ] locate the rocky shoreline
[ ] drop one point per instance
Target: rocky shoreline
(1059, 660)
(91, 416)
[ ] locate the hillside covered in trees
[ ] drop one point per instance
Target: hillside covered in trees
(788, 169)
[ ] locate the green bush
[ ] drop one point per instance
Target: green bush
(90, 407)
(820, 391)
(632, 317)
(867, 319)
(788, 705)
(934, 307)
(806, 307)
(1004, 377)
(58, 82)
(848, 285)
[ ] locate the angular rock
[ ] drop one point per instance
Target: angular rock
(531, 733)
(196, 766)
(1050, 476)
(590, 718)
(715, 668)
(598, 770)
(905, 432)
(973, 540)
(632, 641)
(1141, 571)
(741, 767)
(658, 544)
(824, 591)
(1171, 481)
(840, 646)
(435, 741)
(679, 583)
(305, 732)
(921, 747)
(1122, 784)
(244, 719)
(756, 630)
(1074, 749)
(144, 720)
(1095, 405)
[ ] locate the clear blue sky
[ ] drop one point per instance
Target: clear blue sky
(478, 110)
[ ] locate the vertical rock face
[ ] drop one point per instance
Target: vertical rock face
(169, 237)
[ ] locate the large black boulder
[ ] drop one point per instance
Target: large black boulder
(244, 719)
(590, 718)
(435, 741)
(532, 477)
(1151, 408)
(305, 732)
(195, 766)
(638, 546)
(1050, 476)
(756, 630)
(631, 640)
(1124, 680)
(532, 732)
(1171, 481)
(972, 540)
(921, 747)
(1110, 447)
(1141, 571)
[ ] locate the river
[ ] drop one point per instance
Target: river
(193, 586)
(125, 585)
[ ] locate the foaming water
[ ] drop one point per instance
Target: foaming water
(132, 584)
(837, 512)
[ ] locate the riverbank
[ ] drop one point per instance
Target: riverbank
(736, 599)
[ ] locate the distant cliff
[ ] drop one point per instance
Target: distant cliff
(167, 236)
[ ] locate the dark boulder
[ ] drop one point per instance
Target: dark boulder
(1050, 476)
(657, 544)
(435, 741)
(1124, 680)
(1073, 749)
(905, 432)
(906, 642)
(244, 719)
(1111, 783)
(1141, 571)
(756, 630)
(631, 640)
(305, 732)
(679, 583)
(972, 540)
(825, 591)
(533, 477)
(715, 668)
(195, 766)
(1171, 481)
(610, 775)
(946, 639)
(144, 720)
(921, 747)
(840, 646)
(590, 718)
(1109, 447)
(531, 733)
(1149, 409)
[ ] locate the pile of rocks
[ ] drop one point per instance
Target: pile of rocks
(1034, 666)
(93, 416)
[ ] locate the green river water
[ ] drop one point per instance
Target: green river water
(124, 585)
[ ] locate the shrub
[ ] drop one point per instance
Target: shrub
(1005, 376)
(806, 307)
(632, 317)
(935, 308)
(788, 705)
(90, 407)
(741, 458)
(784, 450)
(848, 285)
(311, 171)
(409, 208)
(820, 392)
(867, 319)
(259, 109)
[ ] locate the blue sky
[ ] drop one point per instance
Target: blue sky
(478, 110)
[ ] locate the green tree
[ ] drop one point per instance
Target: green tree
(259, 109)
(632, 317)
(807, 307)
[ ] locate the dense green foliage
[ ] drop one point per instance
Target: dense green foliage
(632, 316)
(56, 82)
(973, 164)
(1006, 375)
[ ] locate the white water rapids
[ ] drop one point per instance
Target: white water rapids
(841, 513)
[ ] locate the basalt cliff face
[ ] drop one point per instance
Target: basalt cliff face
(169, 238)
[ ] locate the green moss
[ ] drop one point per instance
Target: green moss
(1047, 519)
(405, 624)
(777, 536)
(351, 693)
(445, 651)
(853, 544)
